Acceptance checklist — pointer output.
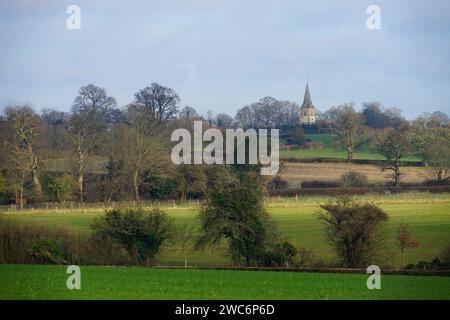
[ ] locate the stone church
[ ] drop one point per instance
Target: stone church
(307, 110)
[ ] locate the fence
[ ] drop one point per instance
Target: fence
(68, 206)
(290, 198)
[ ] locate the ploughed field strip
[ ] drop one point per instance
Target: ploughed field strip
(49, 282)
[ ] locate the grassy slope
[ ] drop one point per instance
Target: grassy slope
(49, 282)
(429, 217)
(329, 151)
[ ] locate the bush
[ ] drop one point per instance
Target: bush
(353, 179)
(140, 232)
(306, 257)
(445, 256)
(238, 217)
(298, 136)
(47, 251)
(280, 254)
(318, 184)
(278, 183)
(22, 243)
(354, 230)
(434, 264)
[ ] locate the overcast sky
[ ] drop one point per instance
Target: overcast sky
(223, 55)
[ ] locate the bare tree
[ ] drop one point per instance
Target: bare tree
(430, 137)
(223, 120)
(161, 103)
(346, 123)
(85, 125)
(393, 144)
(146, 149)
(25, 124)
(152, 107)
(185, 234)
(191, 178)
(405, 239)
(245, 117)
(188, 113)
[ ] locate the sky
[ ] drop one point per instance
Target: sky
(221, 55)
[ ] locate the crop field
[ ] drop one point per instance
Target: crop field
(329, 151)
(49, 282)
(299, 172)
(428, 215)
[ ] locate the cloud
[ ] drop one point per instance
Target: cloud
(222, 55)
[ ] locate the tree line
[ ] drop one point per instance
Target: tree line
(102, 152)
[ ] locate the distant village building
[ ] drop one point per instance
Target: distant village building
(307, 110)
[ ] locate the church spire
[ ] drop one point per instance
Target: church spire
(307, 98)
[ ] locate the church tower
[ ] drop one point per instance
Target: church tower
(307, 110)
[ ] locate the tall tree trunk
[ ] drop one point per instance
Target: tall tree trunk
(136, 184)
(440, 175)
(34, 171)
(37, 183)
(349, 154)
(81, 168)
(397, 175)
(21, 189)
(80, 185)
(402, 259)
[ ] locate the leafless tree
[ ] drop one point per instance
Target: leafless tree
(161, 103)
(25, 124)
(146, 149)
(188, 113)
(85, 126)
(405, 240)
(393, 144)
(223, 120)
(346, 123)
(185, 234)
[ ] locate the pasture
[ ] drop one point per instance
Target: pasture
(428, 215)
(330, 151)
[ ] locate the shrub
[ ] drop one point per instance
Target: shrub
(298, 136)
(278, 183)
(354, 230)
(405, 239)
(47, 251)
(305, 257)
(238, 217)
(434, 264)
(353, 179)
(282, 253)
(319, 184)
(445, 256)
(140, 232)
(23, 243)
(27, 243)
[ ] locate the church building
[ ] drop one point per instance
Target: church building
(307, 110)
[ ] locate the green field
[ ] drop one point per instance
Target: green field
(49, 282)
(329, 151)
(428, 215)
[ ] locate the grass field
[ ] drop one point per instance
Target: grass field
(329, 151)
(49, 282)
(428, 215)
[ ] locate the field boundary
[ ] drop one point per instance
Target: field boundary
(445, 273)
(357, 191)
(354, 161)
(441, 273)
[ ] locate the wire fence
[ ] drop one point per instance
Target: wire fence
(277, 201)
